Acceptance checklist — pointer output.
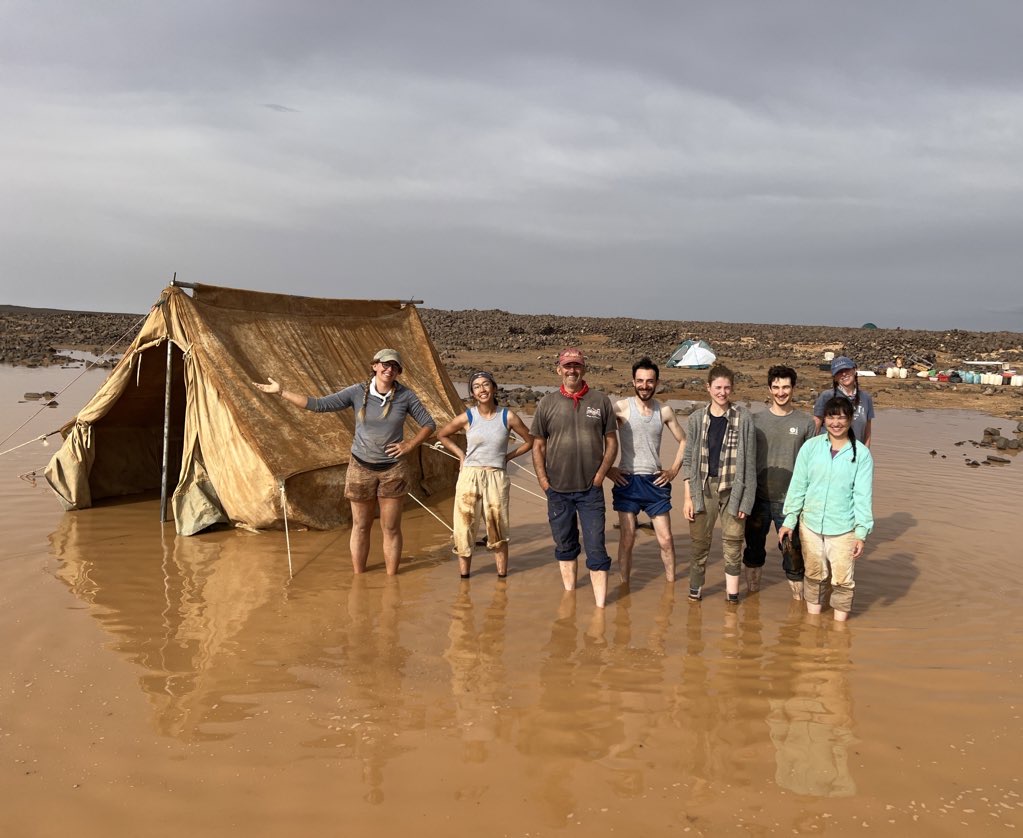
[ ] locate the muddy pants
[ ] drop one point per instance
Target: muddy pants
(701, 530)
(480, 492)
(824, 552)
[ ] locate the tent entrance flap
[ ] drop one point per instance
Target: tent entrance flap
(128, 440)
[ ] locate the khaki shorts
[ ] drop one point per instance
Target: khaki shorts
(364, 484)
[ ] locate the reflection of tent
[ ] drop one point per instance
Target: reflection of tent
(692, 354)
(231, 445)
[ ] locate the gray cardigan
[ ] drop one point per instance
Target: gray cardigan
(744, 488)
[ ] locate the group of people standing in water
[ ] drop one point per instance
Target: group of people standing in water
(810, 476)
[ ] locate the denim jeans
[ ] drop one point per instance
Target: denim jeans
(758, 528)
(567, 511)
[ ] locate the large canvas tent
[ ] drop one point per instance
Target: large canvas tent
(231, 446)
(692, 354)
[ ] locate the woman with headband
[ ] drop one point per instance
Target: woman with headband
(483, 480)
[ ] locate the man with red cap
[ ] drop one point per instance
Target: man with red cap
(575, 442)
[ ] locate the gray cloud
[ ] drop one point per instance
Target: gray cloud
(788, 162)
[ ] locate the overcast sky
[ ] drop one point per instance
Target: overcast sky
(793, 162)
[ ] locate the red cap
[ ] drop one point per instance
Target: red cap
(571, 356)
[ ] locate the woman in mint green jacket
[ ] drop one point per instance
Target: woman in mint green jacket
(831, 495)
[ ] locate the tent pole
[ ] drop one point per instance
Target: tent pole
(166, 433)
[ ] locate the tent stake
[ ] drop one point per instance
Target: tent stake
(166, 434)
(287, 534)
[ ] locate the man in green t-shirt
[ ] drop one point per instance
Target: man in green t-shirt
(781, 431)
(575, 441)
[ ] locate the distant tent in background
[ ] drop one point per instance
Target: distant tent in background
(868, 326)
(692, 354)
(231, 446)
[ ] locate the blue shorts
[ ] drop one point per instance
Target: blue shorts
(641, 495)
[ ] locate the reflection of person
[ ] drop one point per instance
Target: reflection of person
(483, 484)
(574, 444)
(720, 470)
(781, 430)
(640, 482)
(831, 495)
(811, 722)
(476, 658)
(847, 385)
(377, 472)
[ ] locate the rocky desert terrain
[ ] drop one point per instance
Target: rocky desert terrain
(520, 349)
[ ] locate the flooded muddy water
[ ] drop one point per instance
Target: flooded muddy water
(157, 685)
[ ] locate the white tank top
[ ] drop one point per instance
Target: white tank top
(486, 440)
(641, 441)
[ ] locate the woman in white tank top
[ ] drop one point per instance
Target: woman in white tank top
(482, 489)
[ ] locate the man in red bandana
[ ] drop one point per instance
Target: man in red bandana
(575, 443)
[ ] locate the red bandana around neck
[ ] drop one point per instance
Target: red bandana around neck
(576, 396)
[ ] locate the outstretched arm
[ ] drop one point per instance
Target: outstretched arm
(274, 389)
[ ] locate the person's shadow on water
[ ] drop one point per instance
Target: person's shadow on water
(886, 577)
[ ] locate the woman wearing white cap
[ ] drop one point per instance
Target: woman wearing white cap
(847, 384)
(377, 472)
(483, 480)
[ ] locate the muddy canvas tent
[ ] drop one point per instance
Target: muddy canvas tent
(231, 446)
(692, 354)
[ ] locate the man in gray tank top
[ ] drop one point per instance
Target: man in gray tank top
(641, 484)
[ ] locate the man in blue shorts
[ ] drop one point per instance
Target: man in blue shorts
(641, 485)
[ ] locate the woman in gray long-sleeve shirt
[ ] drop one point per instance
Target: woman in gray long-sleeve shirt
(377, 473)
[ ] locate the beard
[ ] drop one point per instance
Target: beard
(645, 395)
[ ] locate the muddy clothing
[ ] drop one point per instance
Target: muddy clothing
(701, 531)
(364, 484)
(575, 437)
(828, 561)
(483, 487)
(374, 433)
(481, 493)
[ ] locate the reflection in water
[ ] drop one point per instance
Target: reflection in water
(175, 608)
(370, 661)
(379, 705)
(573, 719)
(478, 682)
(635, 681)
(811, 719)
